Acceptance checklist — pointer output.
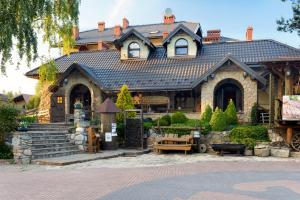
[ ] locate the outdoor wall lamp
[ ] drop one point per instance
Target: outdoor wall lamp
(212, 76)
(288, 72)
(245, 74)
(65, 81)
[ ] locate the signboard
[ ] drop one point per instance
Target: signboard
(196, 134)
(291, 108)
(113, 127)
(108, 137)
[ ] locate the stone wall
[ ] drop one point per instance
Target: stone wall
(235, 73)
(45, 105)
(22, 144)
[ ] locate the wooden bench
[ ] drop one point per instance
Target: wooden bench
(173, 142)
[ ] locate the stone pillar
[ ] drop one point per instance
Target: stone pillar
(22, 144)
(80, 136)
(78, 116)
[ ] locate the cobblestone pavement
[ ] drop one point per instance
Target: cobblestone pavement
(155, 177)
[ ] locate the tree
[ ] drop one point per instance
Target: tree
(230, 113)
(218, 120)
(206, 116)
(124, 102)
(22, 21)
(254, 114)
(292, 24)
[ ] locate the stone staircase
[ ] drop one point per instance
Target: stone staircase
(50, 140)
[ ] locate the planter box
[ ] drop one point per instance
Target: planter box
(248, 152)
(280, 152)
(230, 148)
(262, 151)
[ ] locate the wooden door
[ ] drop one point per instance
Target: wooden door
(57, 108)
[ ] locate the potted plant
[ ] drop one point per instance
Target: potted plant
(78, 105)
(23, 126)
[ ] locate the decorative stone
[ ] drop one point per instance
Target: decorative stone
(275, 137)
(280, 152)
(26, 160)
(27, 152)
(262, 150)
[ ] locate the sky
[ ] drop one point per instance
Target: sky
(231, 16)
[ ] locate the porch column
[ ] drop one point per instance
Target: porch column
(271, 98)
(288, 89)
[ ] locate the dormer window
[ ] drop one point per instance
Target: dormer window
(181, 47)
(134, 50)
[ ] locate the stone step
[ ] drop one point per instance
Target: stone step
(51, 145)
(47, 129)
(54, 154)
(49, 141)
(48, 137)
(53, 149)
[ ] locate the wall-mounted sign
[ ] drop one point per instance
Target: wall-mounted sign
(113, 127)
(291, 108)
(108, 137)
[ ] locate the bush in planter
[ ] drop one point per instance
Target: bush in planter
(179, 118)
(230, 113)
(249, 135)
(218, 120)
(28, 119)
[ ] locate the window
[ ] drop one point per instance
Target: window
(59, 100)
(133, 50)
(181, 47)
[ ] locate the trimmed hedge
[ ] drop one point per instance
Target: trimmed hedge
(8, 120)
(5, 151)
(167, 119)
(179, 118)
(249, 135)
(177, 130)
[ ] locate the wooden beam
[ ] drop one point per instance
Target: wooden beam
(289, 134)
(288, 80)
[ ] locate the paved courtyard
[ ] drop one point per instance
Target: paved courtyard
(156, 177)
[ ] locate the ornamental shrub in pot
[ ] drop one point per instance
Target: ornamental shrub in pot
(179, 118)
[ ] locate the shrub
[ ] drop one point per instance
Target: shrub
(8, 120)
(205, 127)
(180, 131)
(147, 126)
(5, 151)
(162, 122)
(179, 118)
(230, 113)
(124, 102)
(206, 115)
(121, 130)
(28, 119)
(249, 135)
(167, 118)
(218, 120)
(33, 102)
(254, 114)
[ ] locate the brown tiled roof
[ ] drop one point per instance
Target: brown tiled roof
(162, 73)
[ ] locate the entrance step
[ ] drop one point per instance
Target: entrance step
(50, 140)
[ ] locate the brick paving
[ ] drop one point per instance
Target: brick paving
(184, 181)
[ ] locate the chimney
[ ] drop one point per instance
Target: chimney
(101, 26)
(75, 32)
(165, 34)
(102, 45)
(125, 23)
(169, 18)
(117, 31)
(213, 35)
(249, 33)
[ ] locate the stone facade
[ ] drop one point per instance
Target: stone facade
(22, 143)
(231, 72)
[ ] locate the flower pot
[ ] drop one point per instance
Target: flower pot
(280, 152)
(22, 129)
(248, 152)
(262, 150)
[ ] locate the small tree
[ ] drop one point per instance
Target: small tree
(206, 115)
(124, 102)
(230, 113)
(254, 114)
(218, 120)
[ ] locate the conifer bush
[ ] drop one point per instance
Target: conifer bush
(205, 119)
(254, 114)
(124, 102)
(178, 118)
(167, 119)
(218, 120)
(230, 113)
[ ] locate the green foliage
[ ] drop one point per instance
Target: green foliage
(5, 151)
(230, 113)
(162, 122)
(218, 120)
(147, 126)
(124, 102)
(292, 24)
(205, 127)
(179, 118)
(206, 115)
(121, 130)
(28, 119)
(8, 120)
(22, 21)
(33, 102)
(254, 114)
(48, 72)
(249, 135)
(177, 130)
(167, 118)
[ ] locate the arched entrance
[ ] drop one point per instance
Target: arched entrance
(82, 93)
(228, 89)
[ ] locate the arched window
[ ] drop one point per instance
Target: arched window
(134, 50)
(181, 47)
